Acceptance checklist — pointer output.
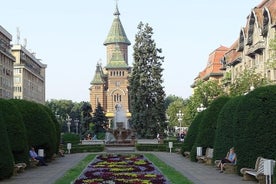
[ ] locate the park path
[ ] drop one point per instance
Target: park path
(196, 172)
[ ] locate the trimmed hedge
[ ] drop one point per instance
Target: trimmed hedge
(255, 125)
(151, 147)
(56, 126)
(192, 133)
(70, 138)
(40, 130)
(207, 129)
(6, 157)
(86, 148)
(16, 131)
(224, 139)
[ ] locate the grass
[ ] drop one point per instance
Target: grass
(74, 172)
(173, 175)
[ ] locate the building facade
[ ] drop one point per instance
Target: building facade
(29, 75)
(109, 86)
(6, 65)
(251, 50)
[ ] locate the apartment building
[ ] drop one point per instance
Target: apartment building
(6, 64)
(29, 75)
(251, 50)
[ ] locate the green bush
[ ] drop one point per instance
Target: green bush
(6, 157)
(192, 133)
(39, 127)
(70, 138)
(255, 125)
(16, 131)
(207, 128)
(86, 148)
(224, 139)
(151, 147)
(56, 126)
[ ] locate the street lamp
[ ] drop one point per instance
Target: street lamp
(68, 123)
(201, 108)
(179, 115)
(77, 125)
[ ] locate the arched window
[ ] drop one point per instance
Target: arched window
(265, 23)
(241, 41)
(251, 29)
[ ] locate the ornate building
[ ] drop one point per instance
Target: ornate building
(109, 86)
(251, 50)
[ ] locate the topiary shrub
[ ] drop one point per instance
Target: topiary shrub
(192, 133)
(16, 131)
(255, 125)
(224, 138)
(39, 127)
(56, 126)
(207, 129)
(6, 157)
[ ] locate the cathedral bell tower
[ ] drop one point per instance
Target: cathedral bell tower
(110, 84)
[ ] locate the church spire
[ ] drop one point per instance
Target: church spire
(116, 33)
(116, 13)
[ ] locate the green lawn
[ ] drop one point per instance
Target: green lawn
(173, 175)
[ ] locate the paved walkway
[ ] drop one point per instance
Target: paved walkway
(197, 173)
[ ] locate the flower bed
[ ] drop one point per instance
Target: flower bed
(121, 169)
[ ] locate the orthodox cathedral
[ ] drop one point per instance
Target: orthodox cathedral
(109, 86)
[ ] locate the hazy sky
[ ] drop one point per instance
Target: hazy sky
(68, 36)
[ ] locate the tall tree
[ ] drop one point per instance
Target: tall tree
(147, 96)
(99, 119)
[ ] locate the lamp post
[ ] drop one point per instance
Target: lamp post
(68, 123)
(77, 125)
(179, 115)
(201, 108)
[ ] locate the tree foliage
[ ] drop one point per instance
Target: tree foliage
(77, 111)
(99, 119)
(178, 105)
(147, 96)
(243, 83)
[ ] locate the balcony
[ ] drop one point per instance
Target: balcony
(256, 49)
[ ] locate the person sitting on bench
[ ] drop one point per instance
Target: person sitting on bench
(34, 156)
(230, 158)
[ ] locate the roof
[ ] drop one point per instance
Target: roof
(213, 64)
(117, 60)
(98, 77)
(116, 33)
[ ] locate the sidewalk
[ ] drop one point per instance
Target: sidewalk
(197, 173)
(47, 174)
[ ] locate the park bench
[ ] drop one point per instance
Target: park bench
(229, 168)
(257, 173)
(187, 154)
(19, 167)
(33, 162)
(207, 158)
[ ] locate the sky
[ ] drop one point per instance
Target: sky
(68, 36)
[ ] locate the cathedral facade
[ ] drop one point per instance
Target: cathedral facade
(109, 86)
